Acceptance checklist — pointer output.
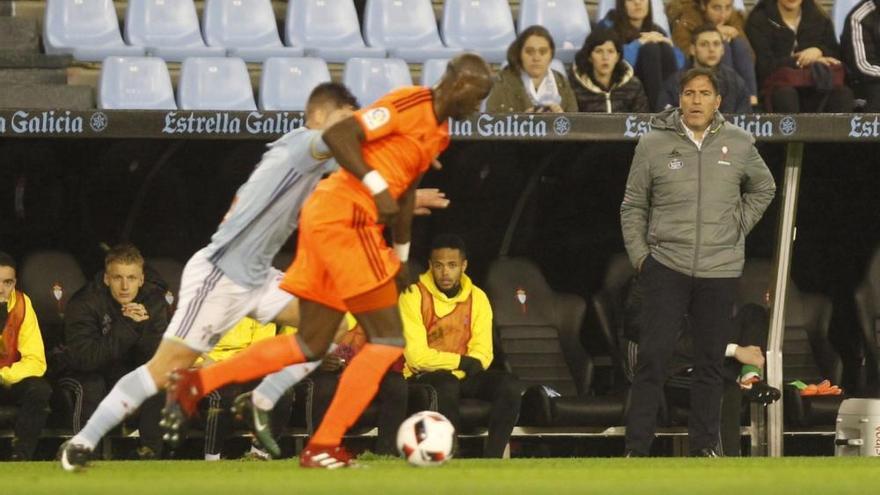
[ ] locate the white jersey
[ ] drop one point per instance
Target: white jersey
(266, 208)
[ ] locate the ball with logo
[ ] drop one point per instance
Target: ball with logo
(426, 439)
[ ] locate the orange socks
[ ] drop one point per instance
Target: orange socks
(261, 358)
(357, 387)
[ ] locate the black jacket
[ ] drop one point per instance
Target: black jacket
(626, 94)
(100, 339)
(774, 42)
(732, 87)
(863, 65)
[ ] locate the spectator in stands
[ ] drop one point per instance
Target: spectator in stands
(447, 324)
(707, 51)
(686, 16)
(112, 326)
(22, 363)
(603, 82)
(797, 58)
(646, 46)
(861, 52)
(686, 237)
(392, 397)
(219, 402)
(528, 84)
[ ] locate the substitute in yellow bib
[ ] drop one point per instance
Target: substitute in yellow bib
(447, 325)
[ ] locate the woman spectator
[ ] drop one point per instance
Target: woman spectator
(602, 80)
(687, 15)
(528, 84)
(861, 52)
(797, 58)
(647, 48)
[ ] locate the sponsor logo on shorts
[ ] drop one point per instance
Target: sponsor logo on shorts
(376, 117)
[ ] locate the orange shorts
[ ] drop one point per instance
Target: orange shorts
(340, 255)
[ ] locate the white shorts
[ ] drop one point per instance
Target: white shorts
(210, 304)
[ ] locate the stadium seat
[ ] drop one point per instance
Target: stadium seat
(539, 334)
(867, 297)
(567, 21)
(213, 83)
(50, 278)
(135, 83)
(87, 29)
(287, 82)
(658, 11)
(370, 78)
(807, 354)
(609, 305)
(839, 11)
(167, 29)
(327, 29)
(246, 28)
(408, 30)
(432, 70)
(482, 26)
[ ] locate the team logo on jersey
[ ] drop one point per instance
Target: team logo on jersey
(376, 118)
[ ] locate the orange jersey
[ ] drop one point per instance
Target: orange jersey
(402, 138)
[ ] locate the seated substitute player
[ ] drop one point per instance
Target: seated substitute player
(342, 263)
(447, 324)
(232, 277)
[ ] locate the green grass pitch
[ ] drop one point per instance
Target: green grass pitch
(742, 476)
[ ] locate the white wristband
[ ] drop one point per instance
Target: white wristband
(730, 350)
(402, 251)
(374, 182)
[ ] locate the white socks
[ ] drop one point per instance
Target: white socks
(127, 395)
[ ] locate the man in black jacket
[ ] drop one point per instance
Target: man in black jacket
(113, 325)
(707, 50)
(860, 45)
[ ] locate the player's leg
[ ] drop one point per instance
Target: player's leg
(360, 380)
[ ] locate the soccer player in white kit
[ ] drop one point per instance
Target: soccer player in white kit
(232, 277)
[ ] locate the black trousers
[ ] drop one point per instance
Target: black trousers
(392, 399)
(795, 100)
(500, 388)
(871, 93)
(667, 296)
(31, 395)
(96, 386)
(655, 64)
(219, 421)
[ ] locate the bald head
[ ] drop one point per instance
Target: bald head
(466, 82)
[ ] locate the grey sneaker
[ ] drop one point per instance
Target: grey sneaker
(260, 422)
(73, 457)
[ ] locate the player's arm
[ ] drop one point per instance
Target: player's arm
(344, 140)
(401, 233)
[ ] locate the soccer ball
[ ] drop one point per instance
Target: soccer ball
(425, 439)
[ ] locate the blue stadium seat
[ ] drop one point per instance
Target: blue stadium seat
(215, 83)
(87, 29)
(408, 30)
(658, 11)
(370, 78)
(246, 28)
(287, 82)
(167, 29)
(567, 21)
(135, 83)
(482, 26)
(432, 70)
(328, 29)
(839, 11)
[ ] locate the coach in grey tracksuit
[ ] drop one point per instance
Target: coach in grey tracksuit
(696, 187)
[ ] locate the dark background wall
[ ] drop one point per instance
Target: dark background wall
(168, 196)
